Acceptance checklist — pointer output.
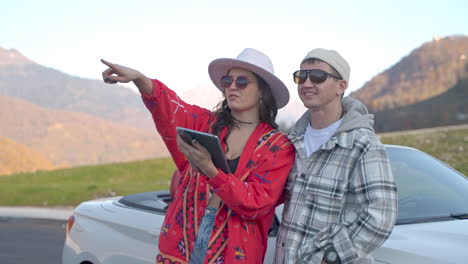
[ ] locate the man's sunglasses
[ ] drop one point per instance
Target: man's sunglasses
(241, 81)
(316, 76)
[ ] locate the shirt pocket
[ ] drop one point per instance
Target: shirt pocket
(323, 201)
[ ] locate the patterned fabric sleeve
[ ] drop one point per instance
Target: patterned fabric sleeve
(375, 188)
(168, 112)
(257, 192)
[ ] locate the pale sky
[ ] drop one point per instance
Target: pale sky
(175, 41)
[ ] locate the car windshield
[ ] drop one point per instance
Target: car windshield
(156, 202)
(428, 190)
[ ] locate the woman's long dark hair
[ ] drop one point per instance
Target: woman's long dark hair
(268, 110)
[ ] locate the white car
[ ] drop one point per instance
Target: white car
(432, 226)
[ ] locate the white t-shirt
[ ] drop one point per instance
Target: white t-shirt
(314, 138)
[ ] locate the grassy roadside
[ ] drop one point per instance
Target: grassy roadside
(69, 187)
(72, 186)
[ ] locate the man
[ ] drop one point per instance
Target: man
(341, 197)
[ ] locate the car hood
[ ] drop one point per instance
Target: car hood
(430, 243)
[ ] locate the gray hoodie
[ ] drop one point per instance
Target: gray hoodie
(356, 116)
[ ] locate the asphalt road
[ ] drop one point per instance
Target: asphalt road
(31, 241)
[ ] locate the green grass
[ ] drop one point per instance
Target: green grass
(69, 187)
(450, 144)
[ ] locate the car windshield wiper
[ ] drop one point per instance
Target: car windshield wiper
(432, 219)
(460, 216)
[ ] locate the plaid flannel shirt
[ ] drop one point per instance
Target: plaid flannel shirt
(344, 195)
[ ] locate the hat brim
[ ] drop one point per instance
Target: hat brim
(220, 67)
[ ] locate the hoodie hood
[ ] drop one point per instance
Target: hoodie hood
(355, 116)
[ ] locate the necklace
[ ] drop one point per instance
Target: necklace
(244, 122)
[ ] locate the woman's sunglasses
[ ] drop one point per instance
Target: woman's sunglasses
(241, 81)
(316, 76)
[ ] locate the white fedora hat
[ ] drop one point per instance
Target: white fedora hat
(255, 61)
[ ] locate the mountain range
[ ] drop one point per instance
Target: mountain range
(427, 88)
(73, 138)
(448, 108)
(22, 78)
(17, 157)
(50, 119)
(70, 121)
(427, 71)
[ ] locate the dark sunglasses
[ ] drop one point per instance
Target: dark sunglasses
(241, 81)
(316, 76)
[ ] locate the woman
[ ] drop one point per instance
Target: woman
(219, 217)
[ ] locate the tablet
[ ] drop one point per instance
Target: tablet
(210, 142)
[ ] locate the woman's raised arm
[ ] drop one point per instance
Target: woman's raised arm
(117, 73)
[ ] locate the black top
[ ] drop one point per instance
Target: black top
(233, 164)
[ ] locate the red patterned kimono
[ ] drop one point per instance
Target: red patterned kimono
(249, 196)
